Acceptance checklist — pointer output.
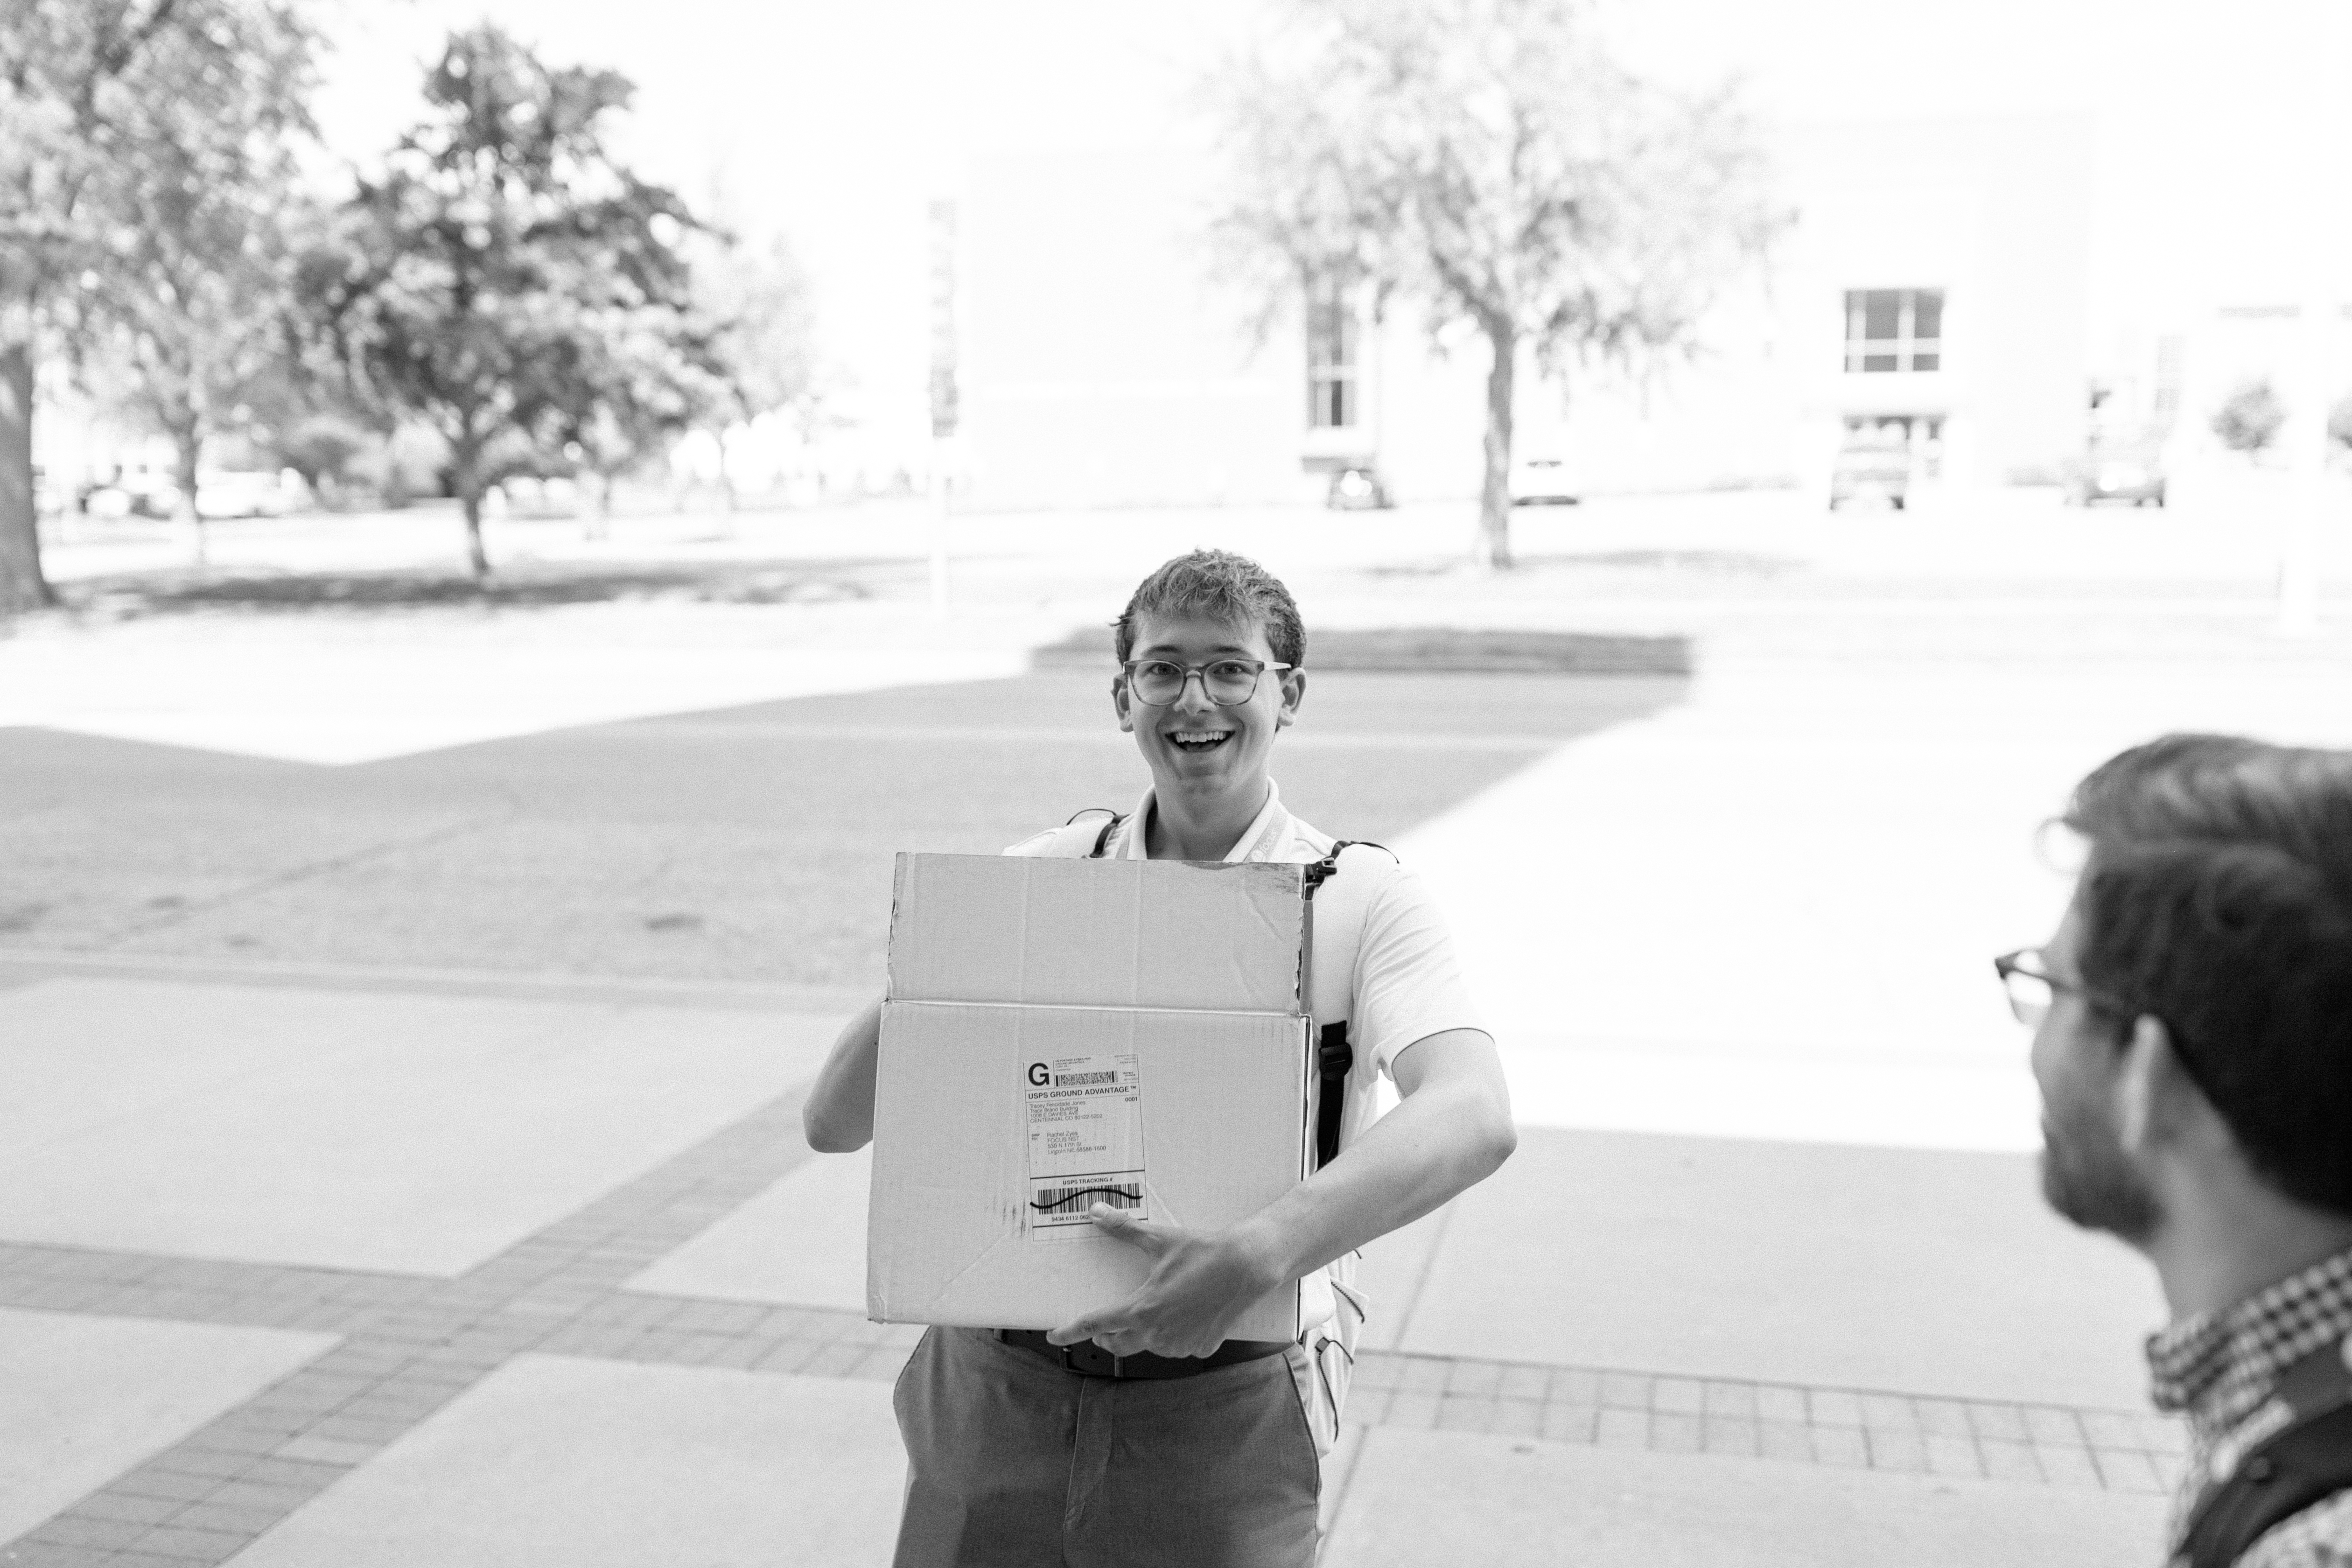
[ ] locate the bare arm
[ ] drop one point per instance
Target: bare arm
(838, 1115)
(1451, 1130)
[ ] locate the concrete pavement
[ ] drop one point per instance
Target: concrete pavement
(749, 843)
(404, 1166)
(643, 1340)
(1770, 910)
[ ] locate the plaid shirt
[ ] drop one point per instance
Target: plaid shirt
(2220, 1371)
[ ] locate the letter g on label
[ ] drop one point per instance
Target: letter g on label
(1039, 1074)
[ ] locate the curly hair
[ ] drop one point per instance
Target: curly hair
(1224, 587)
(2218, 897)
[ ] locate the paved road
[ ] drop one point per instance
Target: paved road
(746, 844)
(356, 1265)
(352, 1264)
(376, 1269)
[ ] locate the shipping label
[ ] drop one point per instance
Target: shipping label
(1085, 1125)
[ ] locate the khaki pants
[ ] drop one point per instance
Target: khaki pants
(1014, 1463)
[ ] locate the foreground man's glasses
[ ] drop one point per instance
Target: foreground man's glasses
(2032, 989)
(1228, 682)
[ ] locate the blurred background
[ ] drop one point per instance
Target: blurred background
(1078, 256)
(511, 514)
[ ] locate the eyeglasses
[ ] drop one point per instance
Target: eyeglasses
(1227, 682)
(2033, 989)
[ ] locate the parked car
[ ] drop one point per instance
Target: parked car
(50, 499)
(106, 502)
(2134, 474)
(1358, 488)
(130, 495)
(1873, 466)
(223, 493)
(1541, 481)
(152, 492)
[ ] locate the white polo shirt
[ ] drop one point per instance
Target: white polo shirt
(1382, 959)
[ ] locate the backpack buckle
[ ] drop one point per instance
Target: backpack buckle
(1334, 1056)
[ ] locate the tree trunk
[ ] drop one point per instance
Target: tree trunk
(469, 497)
(600, 507)
(465, 478)
(21, 586)
(187, 447)
(1494, 495)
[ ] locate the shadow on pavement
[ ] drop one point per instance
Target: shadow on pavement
(743, 844)
(527, 585)
(1662, 563)
(1450, 650)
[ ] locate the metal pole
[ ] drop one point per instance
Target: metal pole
(939, 527)
(944, 402)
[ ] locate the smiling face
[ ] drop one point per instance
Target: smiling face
(1194, 747)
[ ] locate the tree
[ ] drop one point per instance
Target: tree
(2249, 419)
(192, 304)
(756, 305)
(101, 103)
(652, 377)
(321, 448)
(1487, 160)
(479, 282)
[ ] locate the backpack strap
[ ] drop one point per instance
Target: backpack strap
(1321, 871)
(1089, 834)
(1334, 1056)
(2306, 1462)
(1085, 836)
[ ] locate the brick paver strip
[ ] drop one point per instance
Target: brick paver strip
(409, 1344)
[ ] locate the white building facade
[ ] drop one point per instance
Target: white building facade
(1932, 285)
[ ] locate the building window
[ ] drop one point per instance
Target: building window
(1331, 394)
(1893, 329)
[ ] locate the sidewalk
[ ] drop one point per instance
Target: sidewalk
(317, 1265)
(370, 1269)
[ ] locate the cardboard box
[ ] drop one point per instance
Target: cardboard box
(1059, 1032)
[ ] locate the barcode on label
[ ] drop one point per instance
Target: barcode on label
(1070, 1200)
(1071, 1079)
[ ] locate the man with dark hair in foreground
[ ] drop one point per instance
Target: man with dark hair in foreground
(1141, 1434)
(2193, 1046)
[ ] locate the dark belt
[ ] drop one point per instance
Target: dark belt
(1088, 1359)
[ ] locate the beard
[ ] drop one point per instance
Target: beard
(2086, 1178)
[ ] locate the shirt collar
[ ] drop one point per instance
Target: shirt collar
(2218, 1365)
(1257, 841)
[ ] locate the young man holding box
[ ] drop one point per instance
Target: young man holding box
(1140, 1434)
